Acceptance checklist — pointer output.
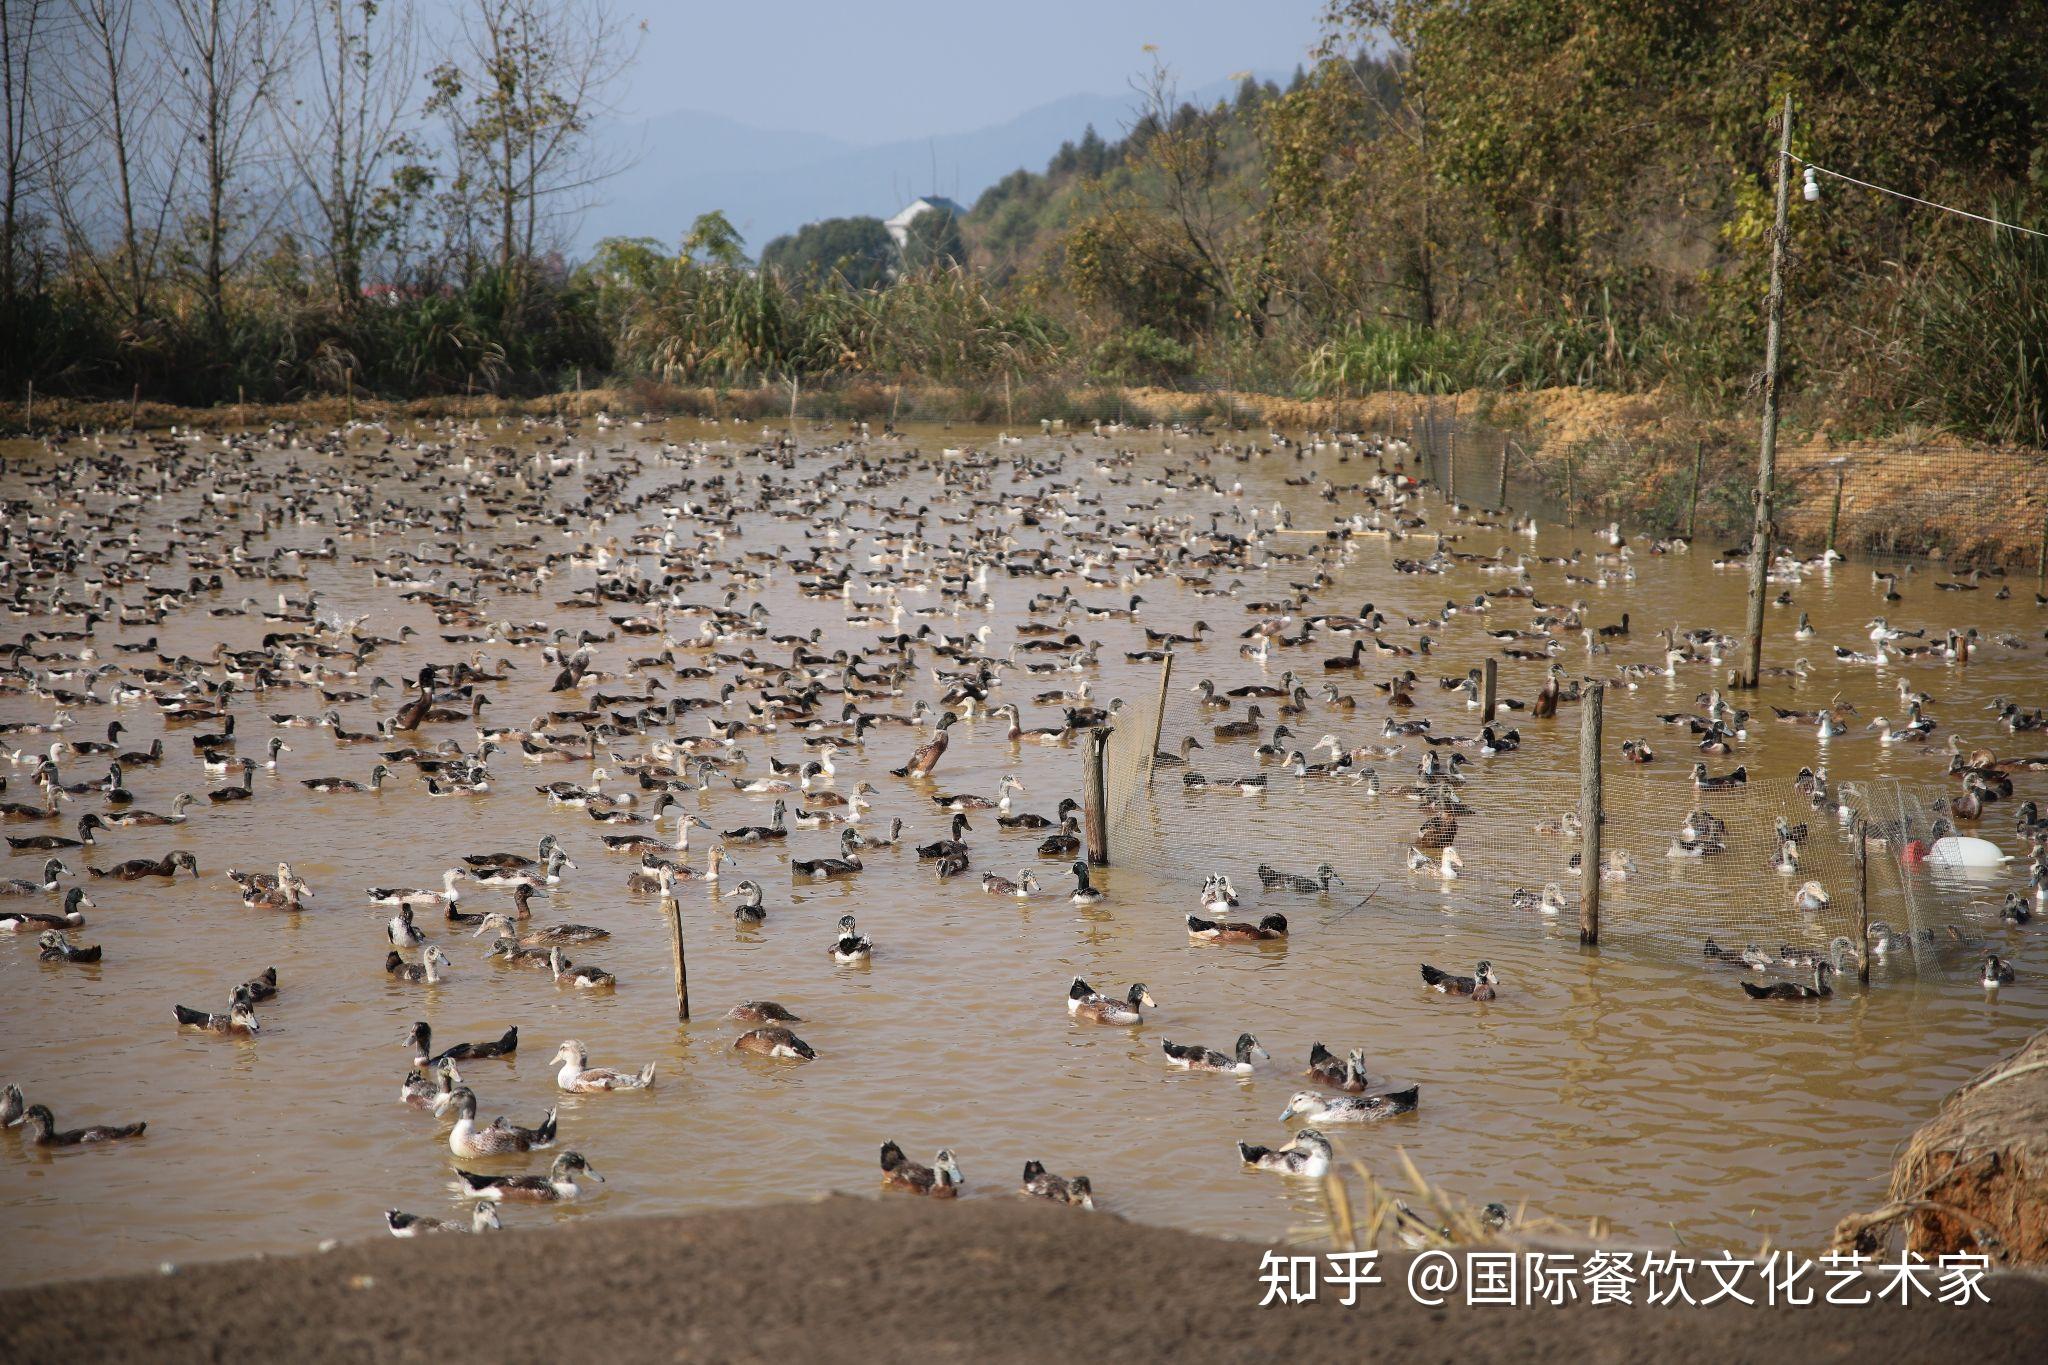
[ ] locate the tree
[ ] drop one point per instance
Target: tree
(933, 241)
(518, 104)
(227, 59)
(713, 240)
(856, 251)
(347, 136)
(24, 33)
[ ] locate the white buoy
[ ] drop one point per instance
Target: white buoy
(1962, 850)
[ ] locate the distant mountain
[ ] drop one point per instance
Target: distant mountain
(688, 162)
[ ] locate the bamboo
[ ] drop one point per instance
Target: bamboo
(1862, 837)
(1692, 504)
(1159, 715)
(1590, 813)
(673, 909)
(1767, 450)
(1489, 690)
(1094, 799)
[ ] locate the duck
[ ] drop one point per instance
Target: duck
(1794, 990)
(1320, 881)
(1481, 985)
(582, 976)
(50, 843)
(1550, 902)
(966, 802)
(578, 1077)
(762, 1012)
(35, 921)
(53, 871)
(420, 1038)
(135, 869)
(749, 910)
(1085, 891)
(240, 1018)
(529, 938)
(773, 1040)
(1269, 927)
(1195, 1057)
(419, 898)
(1997, 972)
(466, 1139)
(945, 848)
(1446, 865)
(1811, 898)
(1023, 888)
(426, 971)
(509, 860)
(402, 932)
(927, 755)
(1347, 1074)
(940, 1180)
(1351, 1108)
(558, 1186)
(222, 795)
(847, 864)
(39, 1129)
(1085, 1004)
(426, 1089)
(344, 784)
(484, 1218)
(1040, 1183)
(54, 945)
(850, 945)
(1307, 1153)
(1027, 820)
(138, 818)
(1705, 782)
(2015, 909)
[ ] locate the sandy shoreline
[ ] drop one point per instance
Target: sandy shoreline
(898, 1278)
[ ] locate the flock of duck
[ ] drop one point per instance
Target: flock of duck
(673, 694)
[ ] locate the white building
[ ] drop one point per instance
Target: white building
(899, 226)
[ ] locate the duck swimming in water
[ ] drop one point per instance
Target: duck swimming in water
(582, 975)
(1306, 1154)
(773, 1040)
(484, 1218)
(427, 971)
(558, 1186)
(762, 1012)
(1085, 1004)
(53, 945)
(33, 921)
(468, 1140)
(53, 871)
(1479, 986)
(578, 1077)
(40, 1130)
(1195, 1057)
(240, 1018)
(940, 1180)
(1351, 1108)
(420, 1038)
(502, 924)
(1997, 972)
(1040, 1183)
(851, 945)
(1269, 928)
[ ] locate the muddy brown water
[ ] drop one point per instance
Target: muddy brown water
(1617, 1084)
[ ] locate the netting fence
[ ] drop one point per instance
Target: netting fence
(1979, 505)
(1769, 866)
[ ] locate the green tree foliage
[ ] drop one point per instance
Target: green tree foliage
(933, 241)
(856, 251)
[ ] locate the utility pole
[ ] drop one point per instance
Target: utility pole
(1767, 454)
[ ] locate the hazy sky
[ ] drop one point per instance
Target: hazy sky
(875, 70)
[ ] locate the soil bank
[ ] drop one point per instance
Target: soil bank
(906, 1279)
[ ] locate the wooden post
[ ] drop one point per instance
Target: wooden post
(1159, 716)
(348, 386)
(1094, 797)
(1489, 689)
(1451, 466)
(1008, 418)
(1767, 450)
(241, 397)
(1591, 704)
(1862, 837)
(1692, 504)
(1835, 514)
(794, 382)
(1501, 499)
(135, 408)
(895, 401)
(2041, 563)
(1571, 496)
(28, 413)
(671, 907)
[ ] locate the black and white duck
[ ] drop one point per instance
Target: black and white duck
(467, 1139)
(578, 1077)
(420, 1038)
(773, 1040)
(1040, 1183)
(1306, 1154)
(1480, 985)
(1364, 1108)
(483, 1218)
(1086, 1004)
(940, 1180)
(1195, 1057)
(558, 1186)
(39, 1129)
(34, 921)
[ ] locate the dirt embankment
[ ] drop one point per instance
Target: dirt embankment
(903, 1279)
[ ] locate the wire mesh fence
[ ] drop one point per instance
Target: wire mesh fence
(1757, 874)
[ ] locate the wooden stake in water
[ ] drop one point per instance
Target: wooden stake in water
(1591, 704)
(348, 385)
(793, 383)
(1159, 716)
(1489, 688)
(1501, 498)
(1767, 451)
(240, 397)
(671, 907)
(1008, 419)
(135, 408)
(1451, 467)
(1571, 496)
(1692, 504)
(1862, 842)
(1094, 798)
(2041, 563)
